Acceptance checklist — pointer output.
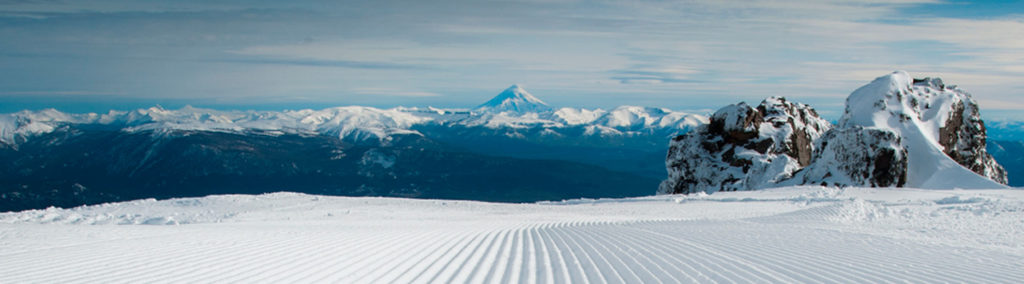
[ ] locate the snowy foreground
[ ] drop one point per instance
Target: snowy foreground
(804, 234)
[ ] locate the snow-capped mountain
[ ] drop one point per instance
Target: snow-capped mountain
(352, 122)
(514, 99)
(896, 131)
(513, 109)
(56, 158)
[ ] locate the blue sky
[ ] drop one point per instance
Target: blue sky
(97, 55)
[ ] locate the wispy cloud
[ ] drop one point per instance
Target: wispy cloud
(393, 92)
(655, 75)
(57, 93)
(327, 63)
(680, 54)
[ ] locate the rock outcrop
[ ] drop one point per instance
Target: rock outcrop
(896, 131)
(744, 147)
(856, 156)
(939, 125)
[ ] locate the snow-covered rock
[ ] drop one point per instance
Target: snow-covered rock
(896, 131)
(856, 156)
(940, 127)
(744, 148)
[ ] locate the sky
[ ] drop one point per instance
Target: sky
(91, 56)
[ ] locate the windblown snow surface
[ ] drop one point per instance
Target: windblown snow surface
(794, 234)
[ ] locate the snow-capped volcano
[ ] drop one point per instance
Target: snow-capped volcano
(514, 99)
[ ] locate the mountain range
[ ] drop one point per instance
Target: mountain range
(513, 148)
(512, 111)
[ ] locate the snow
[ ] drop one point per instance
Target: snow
(24, 124)
(794, 234)
(363, 123)
(578, 116)
(510, 120)
(732, 115)
(915, 113)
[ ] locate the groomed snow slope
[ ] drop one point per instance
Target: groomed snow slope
(797, 234)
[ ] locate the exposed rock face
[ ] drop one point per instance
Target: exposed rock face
(857, 156)
(963, 135)
(804, 125)
(743, 147)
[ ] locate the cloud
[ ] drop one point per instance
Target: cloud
(57, 93)
(328, 63)
(680, 54)
(643, 75)
(393, 92)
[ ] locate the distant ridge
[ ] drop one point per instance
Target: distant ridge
(54, 158)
